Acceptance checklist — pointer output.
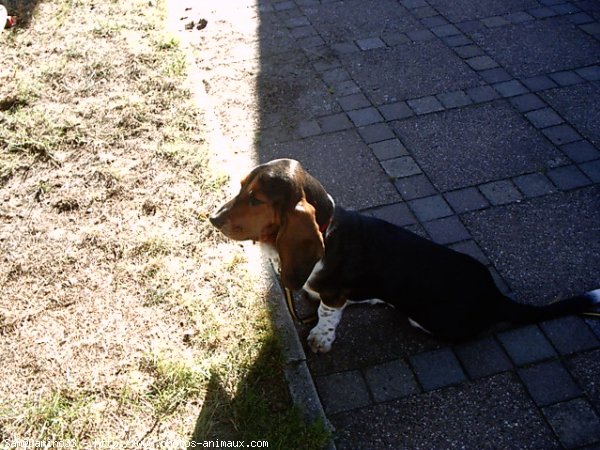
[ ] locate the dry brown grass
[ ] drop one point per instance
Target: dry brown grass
(119, 306)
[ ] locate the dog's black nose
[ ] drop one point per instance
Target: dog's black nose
(217, 221)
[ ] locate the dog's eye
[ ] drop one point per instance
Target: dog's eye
(254, 201)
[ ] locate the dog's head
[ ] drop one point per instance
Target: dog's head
(282, 205)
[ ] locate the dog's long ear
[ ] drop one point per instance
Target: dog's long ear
(299, 244)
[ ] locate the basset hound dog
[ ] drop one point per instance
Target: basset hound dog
(340, 257)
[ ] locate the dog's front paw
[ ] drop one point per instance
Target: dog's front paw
(320, 339)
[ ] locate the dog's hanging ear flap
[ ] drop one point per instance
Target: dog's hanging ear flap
(299, 245)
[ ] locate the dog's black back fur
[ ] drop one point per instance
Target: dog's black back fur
(450, 294)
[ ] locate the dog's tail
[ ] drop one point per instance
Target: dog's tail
(519, 313)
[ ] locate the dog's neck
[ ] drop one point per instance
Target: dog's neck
(326, 216)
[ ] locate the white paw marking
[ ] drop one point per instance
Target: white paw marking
(321, 337)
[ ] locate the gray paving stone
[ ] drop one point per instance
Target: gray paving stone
(295, 22)
(398, 214)
(575, 423)
(591, 73)
(468, 51)
(592, 170)
(445, 30)
(370, 43)
(342, 391)
(565, 8)
(483, 357)
(344, 88)
(519, 17)
(302, 32)
(569, 335)
(495, 21)
(392, 39)
(561, 134)
(390, 381)
(433, 21)
(539, 83)
(510, 88)
(544, 117)
(437, 369)
(409, 71)
(425, 105)
(526, 242)
(283, 6)
(566, 78)
(396, 111)
(274, 135)
(581, 151)
(344, 48)
(404, 166)
(376, 133)
(469, 146)
(411, 4)
(594, 325)
(430, 208)
(542, 13)
(585, 368)
(526, 345)
(389, 149)
(447, 230)
(330, 77)
(319, 54)
(517, 47)
(424, 11)
(551, 2)
(308, 128)
(325, 64)
(470, 26)
(366, 116)
(534, 185)
(411, 188)
(580, 18)
(454, 99)
(498, 75)
(339, 24)
(568, 177)
(591, 28)
(472, 249)
(310, 41)
(500, 192)
(481, 62)
(492, 412)
(548, 383)
(482, 94)
(354, 101)
(335, 122)
(527, 102)
(578, 105)
(456, 40)
(420, 35)
(468, 199)
(463, 10)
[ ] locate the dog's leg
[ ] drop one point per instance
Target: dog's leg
(323, 334)
(312, 295)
